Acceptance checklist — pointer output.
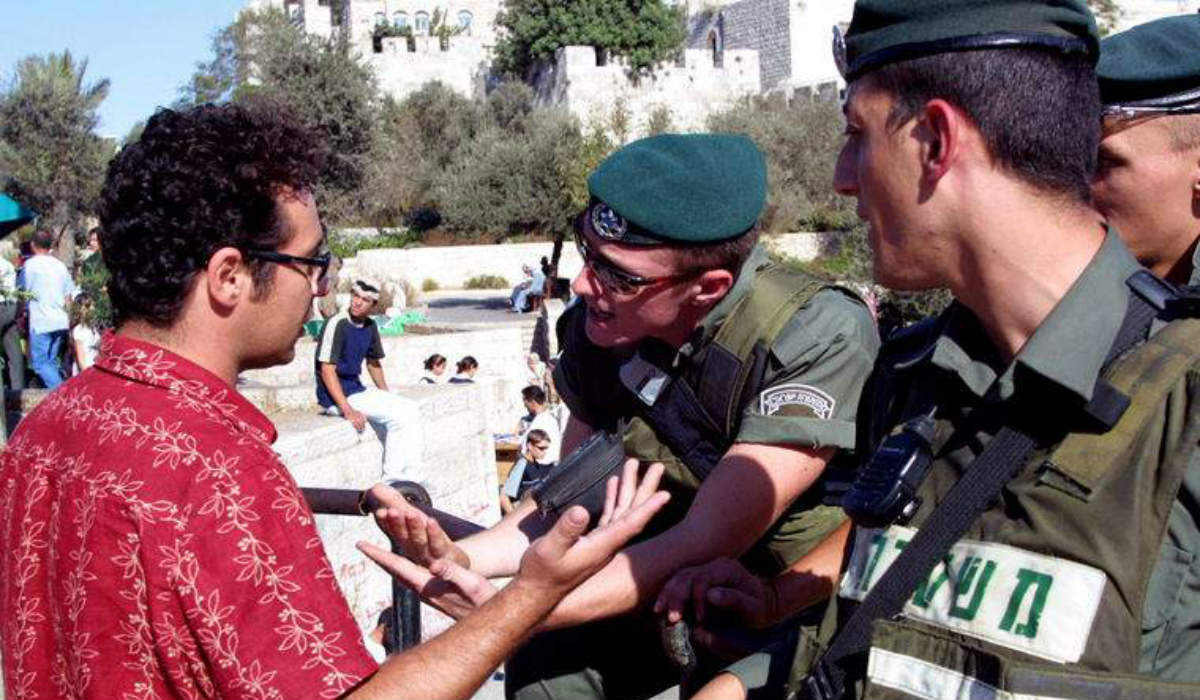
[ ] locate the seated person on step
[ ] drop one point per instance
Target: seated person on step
(346, 340)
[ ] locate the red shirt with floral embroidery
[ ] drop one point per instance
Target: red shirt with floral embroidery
(153, 546)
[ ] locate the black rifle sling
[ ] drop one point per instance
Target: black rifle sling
(1003, 457)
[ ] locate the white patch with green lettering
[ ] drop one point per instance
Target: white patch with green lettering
(1030, 602)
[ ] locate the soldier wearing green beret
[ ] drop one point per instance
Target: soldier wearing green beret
(1148, 180)
(739, 375)
(1025, 518)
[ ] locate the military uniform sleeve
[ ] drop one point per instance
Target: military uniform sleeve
(586, 376)
(815, 376)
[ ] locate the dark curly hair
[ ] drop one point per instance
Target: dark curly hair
(197, 181)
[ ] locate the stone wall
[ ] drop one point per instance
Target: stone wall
(689, 89)
(451, 266)
(400, 72)
(765, 27)
(502, 371)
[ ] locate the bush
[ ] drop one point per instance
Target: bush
(801, 141)
(486, 282)
(347, 246)
(513, 181)
(429, 285)
(851, 264)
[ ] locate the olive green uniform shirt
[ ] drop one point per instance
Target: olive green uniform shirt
(1059, 365)
(825, 354)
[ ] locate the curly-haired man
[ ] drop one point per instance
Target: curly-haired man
(152, 543)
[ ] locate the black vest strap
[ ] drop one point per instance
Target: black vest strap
(1003, 457)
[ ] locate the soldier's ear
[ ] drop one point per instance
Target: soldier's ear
(712, 286)
(940, 132)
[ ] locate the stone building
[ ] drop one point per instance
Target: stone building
(734, 48)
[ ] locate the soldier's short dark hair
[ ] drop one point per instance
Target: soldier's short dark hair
(1038, 111)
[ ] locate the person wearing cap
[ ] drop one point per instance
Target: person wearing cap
(1148, 178)
(739, 375)
(348, 339)
(1025, 516)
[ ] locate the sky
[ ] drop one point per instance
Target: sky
(146, 48)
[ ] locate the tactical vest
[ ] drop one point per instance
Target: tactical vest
(696, 414)
(1045, 596)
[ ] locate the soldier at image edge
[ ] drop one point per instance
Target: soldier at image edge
(1051, 411)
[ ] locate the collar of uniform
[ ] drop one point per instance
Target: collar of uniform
(187, 383)
(711, 323)
(964, 350)
(1070, 345)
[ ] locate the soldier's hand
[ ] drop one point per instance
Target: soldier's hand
(721, 586)
(564, 557)
(444, 584)
(419, 536)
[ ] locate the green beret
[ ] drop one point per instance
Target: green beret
(1154, 67)
(679, 189)
(888, 31)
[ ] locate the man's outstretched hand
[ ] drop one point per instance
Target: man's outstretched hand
(553, 565)
(420, 537)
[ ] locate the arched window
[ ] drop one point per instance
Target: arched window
(716, 46)
(380, 18)
(421, 23)
(464, 21)
(400, 19)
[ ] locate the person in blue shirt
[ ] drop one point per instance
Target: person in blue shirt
(347, 339)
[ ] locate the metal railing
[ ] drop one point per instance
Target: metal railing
(402, 622)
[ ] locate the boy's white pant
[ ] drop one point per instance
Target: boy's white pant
(397, 422)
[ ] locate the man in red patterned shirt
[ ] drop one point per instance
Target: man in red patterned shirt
(151, 543)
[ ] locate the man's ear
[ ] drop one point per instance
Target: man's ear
(941, 133)
(226, 278)
(713, 285)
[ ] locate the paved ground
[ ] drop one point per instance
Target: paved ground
(471, 306)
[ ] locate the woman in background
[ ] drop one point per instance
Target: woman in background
(466, 369)
(435, 367)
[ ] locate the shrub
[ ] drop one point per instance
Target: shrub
(429, 285)
(486, 282)
(801, 141)
(513, 181)
(347, 246)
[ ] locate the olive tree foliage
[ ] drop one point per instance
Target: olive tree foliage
(645, 32)
(800, 140)
(50, 158)
(263, 57)
(477, 169)
(1108, 14)
(418, 139)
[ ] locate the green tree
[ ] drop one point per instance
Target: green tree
(50, 159)
(515, 180)
(645, 32)
(1108, 14)
(262, 57)
(418, 138)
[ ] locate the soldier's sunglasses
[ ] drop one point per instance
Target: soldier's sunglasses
(320, 263)
(615, 280)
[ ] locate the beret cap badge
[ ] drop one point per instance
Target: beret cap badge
(607, 223)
